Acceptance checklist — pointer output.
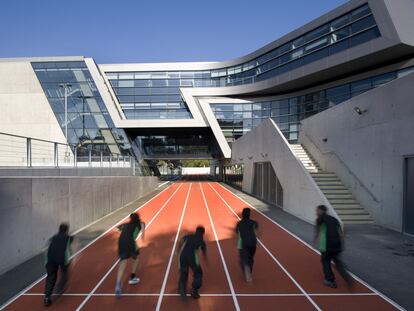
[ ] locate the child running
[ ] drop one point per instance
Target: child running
(188, 258)
(246, 230)
(329, 234)
(57, 257)
(128, 248)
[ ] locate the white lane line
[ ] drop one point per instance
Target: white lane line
(29, 287)
(273, 257)
(389, 300)
(117, 261)
(167, 272)
(233, 293)
(212, 295)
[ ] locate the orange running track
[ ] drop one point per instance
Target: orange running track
(287, 273)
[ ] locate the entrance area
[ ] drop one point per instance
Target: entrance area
(266, 185)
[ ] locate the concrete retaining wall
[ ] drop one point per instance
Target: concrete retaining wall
(367, 151)
(31, 208)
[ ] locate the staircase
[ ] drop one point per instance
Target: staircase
(341, 199)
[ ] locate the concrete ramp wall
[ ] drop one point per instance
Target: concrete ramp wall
(266, 143)
(31, 208)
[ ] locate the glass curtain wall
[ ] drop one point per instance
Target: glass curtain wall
(237, 119)
(89, 123)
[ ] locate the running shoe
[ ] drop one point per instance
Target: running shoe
(135, 280)
(195, 294)
(118, 290)
(47, 301)
(331, 284)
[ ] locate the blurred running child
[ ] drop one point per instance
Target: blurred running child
(329, 234)
(57, 258)
(128, 248)
(246, 230)
(188, 258)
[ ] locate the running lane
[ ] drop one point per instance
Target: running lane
(268, 278)
(89, 265)
(214, 278)
(303, 264)
(155, 249)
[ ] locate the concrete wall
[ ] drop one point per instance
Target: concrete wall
(266, 143)
(367, 151)
(31, 208)
(24, 107)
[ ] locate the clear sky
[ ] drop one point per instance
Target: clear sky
(121, 31)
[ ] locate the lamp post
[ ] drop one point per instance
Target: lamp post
(66, 87)
(83, 112)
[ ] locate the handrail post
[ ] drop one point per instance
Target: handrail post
(101, 159)
(75, 157)
(29, 151)
(133, 168)
(90, 157)
(110, 160)
(55, 155)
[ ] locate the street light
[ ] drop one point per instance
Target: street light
(83, 112)
(66, 87)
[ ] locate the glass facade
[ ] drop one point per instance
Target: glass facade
(237, 119)
(175, 145)
(156, 95)
(89, 123)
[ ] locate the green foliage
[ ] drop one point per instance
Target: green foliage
(195, 163)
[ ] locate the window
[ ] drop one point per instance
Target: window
(340, 22)
(363, 24)
(362, 11)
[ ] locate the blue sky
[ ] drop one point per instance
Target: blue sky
(149, 30)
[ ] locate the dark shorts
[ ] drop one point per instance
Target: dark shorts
(127, 249)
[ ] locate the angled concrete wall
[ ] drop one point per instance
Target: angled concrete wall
(24, 107)
(31, 208)
(367, 151)
(266, 143)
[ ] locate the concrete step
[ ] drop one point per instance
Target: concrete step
(332, 187)
(335, 201)
(339, 196)
(356, 218)
(329, 183)
(328, 179)
(335, 191)
(358, 222)
(324, 174)
(339, 207)
(359, 211)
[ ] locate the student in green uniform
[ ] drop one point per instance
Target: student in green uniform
(188, 259)
(246, 230)
(128, 248)
(57, 258)
(329, 234)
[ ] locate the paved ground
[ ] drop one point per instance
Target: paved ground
(381, 257)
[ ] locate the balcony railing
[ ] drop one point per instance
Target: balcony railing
(21, 151)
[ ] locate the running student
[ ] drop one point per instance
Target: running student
(57, 257)
(128, 248)
(329, 234)
(246, 230)
(188, 259)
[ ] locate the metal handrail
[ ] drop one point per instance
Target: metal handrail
(52, 157)
(347, 168)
